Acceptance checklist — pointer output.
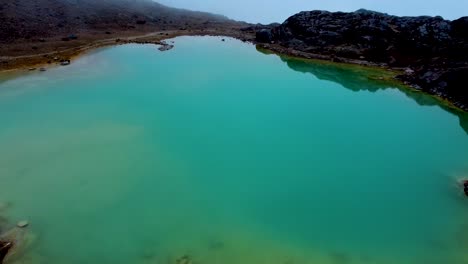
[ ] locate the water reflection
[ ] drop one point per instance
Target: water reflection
(357, 78)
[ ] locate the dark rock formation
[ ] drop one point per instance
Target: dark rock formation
(4, 248)
(435, 50)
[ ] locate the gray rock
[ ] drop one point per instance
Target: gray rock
(184, 260)
(22, 224)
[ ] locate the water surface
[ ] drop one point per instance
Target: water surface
(226, 155)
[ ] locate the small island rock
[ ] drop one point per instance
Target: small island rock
(432, 50)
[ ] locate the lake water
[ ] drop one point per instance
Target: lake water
(216, 153)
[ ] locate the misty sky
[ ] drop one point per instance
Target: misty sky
(278, 10)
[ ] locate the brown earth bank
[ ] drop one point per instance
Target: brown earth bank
(432, 52)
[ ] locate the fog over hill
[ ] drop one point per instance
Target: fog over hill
(25, 19)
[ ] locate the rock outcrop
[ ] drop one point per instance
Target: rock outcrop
(433, 50)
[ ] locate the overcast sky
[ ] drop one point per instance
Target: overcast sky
(278, 10)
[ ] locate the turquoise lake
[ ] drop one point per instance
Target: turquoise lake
(216, 153)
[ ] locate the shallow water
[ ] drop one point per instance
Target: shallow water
(224, 154)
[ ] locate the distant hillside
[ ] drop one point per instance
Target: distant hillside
(25, 19)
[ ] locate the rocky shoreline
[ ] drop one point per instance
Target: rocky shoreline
(43, 32)
(431, 53)
(54, 58)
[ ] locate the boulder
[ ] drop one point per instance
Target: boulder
(434, 50)
(184, 260)
(264, 36)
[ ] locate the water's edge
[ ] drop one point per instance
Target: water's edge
(233, 159)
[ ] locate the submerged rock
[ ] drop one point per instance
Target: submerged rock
(21, 239)
(184, 260)
(166, 47)
(3, 224)
(216, 245)
(264, 35)
(22, 224)
(4, 206)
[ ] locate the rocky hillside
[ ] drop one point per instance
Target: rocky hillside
(26, 19)
(433, 51)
